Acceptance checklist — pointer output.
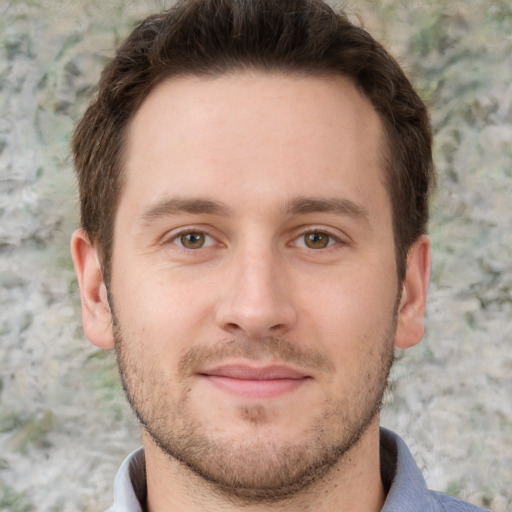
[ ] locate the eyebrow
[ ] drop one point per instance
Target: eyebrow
(340, 206)
(298, 206)
(176, 205)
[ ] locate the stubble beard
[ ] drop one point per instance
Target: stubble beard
(258, 469)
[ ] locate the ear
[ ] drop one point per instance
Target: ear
(411, 311)
(96, 314)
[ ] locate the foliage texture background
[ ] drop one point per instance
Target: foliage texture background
(64, 425)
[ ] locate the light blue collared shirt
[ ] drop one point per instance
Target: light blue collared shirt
(407, 489)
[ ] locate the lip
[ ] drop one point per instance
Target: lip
(255, 382)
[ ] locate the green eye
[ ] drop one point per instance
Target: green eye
(192, 240)
(317, 240)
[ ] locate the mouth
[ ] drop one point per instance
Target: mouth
(255, 382)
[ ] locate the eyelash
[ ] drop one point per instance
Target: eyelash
(175, 238)
(333, 240)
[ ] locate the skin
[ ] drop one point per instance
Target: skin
(254, 234)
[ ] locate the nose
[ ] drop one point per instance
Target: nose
(258, 298)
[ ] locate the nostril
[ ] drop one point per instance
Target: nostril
(255, 315)
(231, 326)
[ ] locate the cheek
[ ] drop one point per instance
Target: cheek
(153, 295)
(160, 318)
(351, 316)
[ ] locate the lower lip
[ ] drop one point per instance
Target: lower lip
(256, 388)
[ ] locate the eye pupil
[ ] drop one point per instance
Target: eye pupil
(192, 240)
(316, 240)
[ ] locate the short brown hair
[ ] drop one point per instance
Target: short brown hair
(213, 37)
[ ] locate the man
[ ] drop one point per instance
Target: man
(254, 180)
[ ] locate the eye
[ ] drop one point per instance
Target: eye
(316, 240)
(193, 240)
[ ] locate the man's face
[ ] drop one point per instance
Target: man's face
(254, 283)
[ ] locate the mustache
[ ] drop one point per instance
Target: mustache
(269, 348)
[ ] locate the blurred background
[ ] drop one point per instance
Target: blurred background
(64, 425)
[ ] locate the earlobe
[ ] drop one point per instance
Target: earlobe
(96, 314)
(411, 310)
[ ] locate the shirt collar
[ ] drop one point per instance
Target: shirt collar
(130, 485)
(407, 490)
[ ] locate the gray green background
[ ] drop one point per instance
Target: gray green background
(64, 426)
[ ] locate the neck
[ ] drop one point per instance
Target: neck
(354, 485)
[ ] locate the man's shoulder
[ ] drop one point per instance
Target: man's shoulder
(448, 503)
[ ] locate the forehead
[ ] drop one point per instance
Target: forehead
(281, 134)
(257, 97)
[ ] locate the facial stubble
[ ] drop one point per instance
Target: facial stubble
(257, 468)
